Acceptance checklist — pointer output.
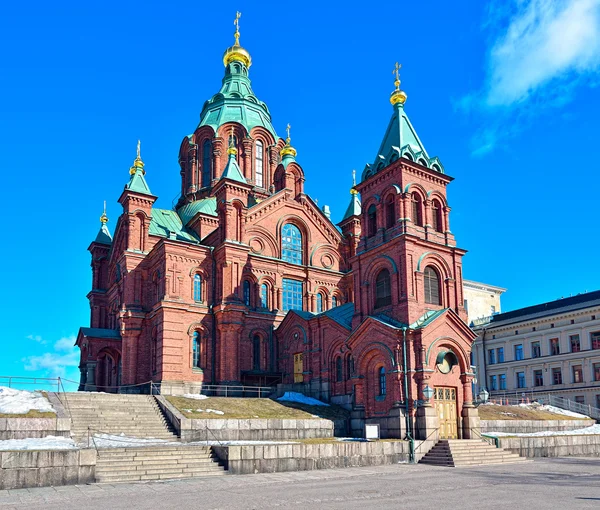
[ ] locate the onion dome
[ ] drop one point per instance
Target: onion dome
(138, 164)
(288, 150)
(103, 236)
(236, 53)
(398, 96)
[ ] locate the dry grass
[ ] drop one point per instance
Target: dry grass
(30, 414)
(245, 408)
(495, 412)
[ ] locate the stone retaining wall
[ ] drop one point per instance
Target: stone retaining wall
(244, 430)
(553, 446)
(43, 468)
(305, 457)
(528, 426)
(23, 428)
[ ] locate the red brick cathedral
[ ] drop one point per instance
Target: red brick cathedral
(247, 281)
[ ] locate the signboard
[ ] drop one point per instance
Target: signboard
(372, 431)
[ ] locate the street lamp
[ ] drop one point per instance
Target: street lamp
(483, 396)
(427, 393)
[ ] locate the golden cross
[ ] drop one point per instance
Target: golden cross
(105, 207)
(288, 132)
(238, 15)
(353, 177)
(138, 150)
(231, 143)
(396, 71)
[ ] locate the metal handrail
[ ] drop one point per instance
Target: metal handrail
(423, 440)
(216, 438)
(492, 440)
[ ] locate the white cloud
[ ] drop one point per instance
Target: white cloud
(545, 40)
(61, 361)
(36, 338)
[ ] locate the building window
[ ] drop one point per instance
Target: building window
(556, 376)
(383, 289)
(538, 378)
(554, 347)
(246, 287)
(521, 380)
(596, 371)
(292, 295)
(575, 343)
(382, 382)
(264, 296)
(390, 212)
(339, 369)
(580, 399)
(436, 216)
(536, 350)
(206, 160)
(259, 163)
(350, 367)
(417, 216)
(518, 352)
(493, 382)
(577, 373)
(492, 310)
(491, 356)
(291, 244)
(431, 282)
(256, 352)
(371, 221)
(595, 340)
(502, 381)
(196, 350)
(197, 288)
(319, 303)
(334, 301)
(500, 353)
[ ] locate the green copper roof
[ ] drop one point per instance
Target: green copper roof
(354, 208)
(236, 102)
(205, 206)
(103, 236)
(168, 224)
(232, 170)
(138, 183)
(101, 333)
(401, 140)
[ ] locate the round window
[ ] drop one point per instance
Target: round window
(445, 361)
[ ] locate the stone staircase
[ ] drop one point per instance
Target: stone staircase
(468, 452)
(133, 415)
(155, 463)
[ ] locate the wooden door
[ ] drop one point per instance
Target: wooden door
(445, 405)
(298, 367)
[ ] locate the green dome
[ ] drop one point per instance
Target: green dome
(236, 102)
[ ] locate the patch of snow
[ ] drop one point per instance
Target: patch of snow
(123, 441)
(238, 443)
(352, 439)
(507, 414)
(216, 411)
(292, 396)
(195, 396)
(21, 402)
(44, 443)
(558, 410)
(594, 429)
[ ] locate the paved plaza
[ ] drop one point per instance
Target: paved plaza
(564, 483)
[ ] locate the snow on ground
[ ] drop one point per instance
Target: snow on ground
(555, 410)
(195, 396)
(216, 411)
(594, 429)
(45, 443)
(123, 441)
(238, 443)
(292, 396)
(21, 402)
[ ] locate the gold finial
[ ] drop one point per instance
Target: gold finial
(137, 163)
(288, 149)
(231, 149)
(398, 96)
(104, 217)
(353, 189)
(238, 15)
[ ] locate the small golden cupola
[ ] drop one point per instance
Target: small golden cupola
(288, 150)
(138, 164)
(236, 53)
(398, 96)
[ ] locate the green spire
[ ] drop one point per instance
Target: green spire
(137, 182)
(103, 236)
(232, 169)
(354, 208)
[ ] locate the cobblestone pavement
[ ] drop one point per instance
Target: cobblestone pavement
(565, 483)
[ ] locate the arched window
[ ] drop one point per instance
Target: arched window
(431, 283)
(371, 221)
(383, 289)
(259, 168)
(334, 301)
(197, 288)
(436, 216)
(417, 216)
(256, 352)
(390, 212)
(382, 382)
(339, 369)
(206, 163)
(196, 350)
(291, 244)
(156, 282)
(319, 303)
(350, 367)
(422, 162)
(264, 296)
(246, 292)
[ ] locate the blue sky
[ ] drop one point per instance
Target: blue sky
(504, 92)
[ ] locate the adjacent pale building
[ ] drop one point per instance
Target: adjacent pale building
(481, 300)
(551, 348)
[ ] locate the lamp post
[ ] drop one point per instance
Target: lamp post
(427, 393)
(483, 397)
